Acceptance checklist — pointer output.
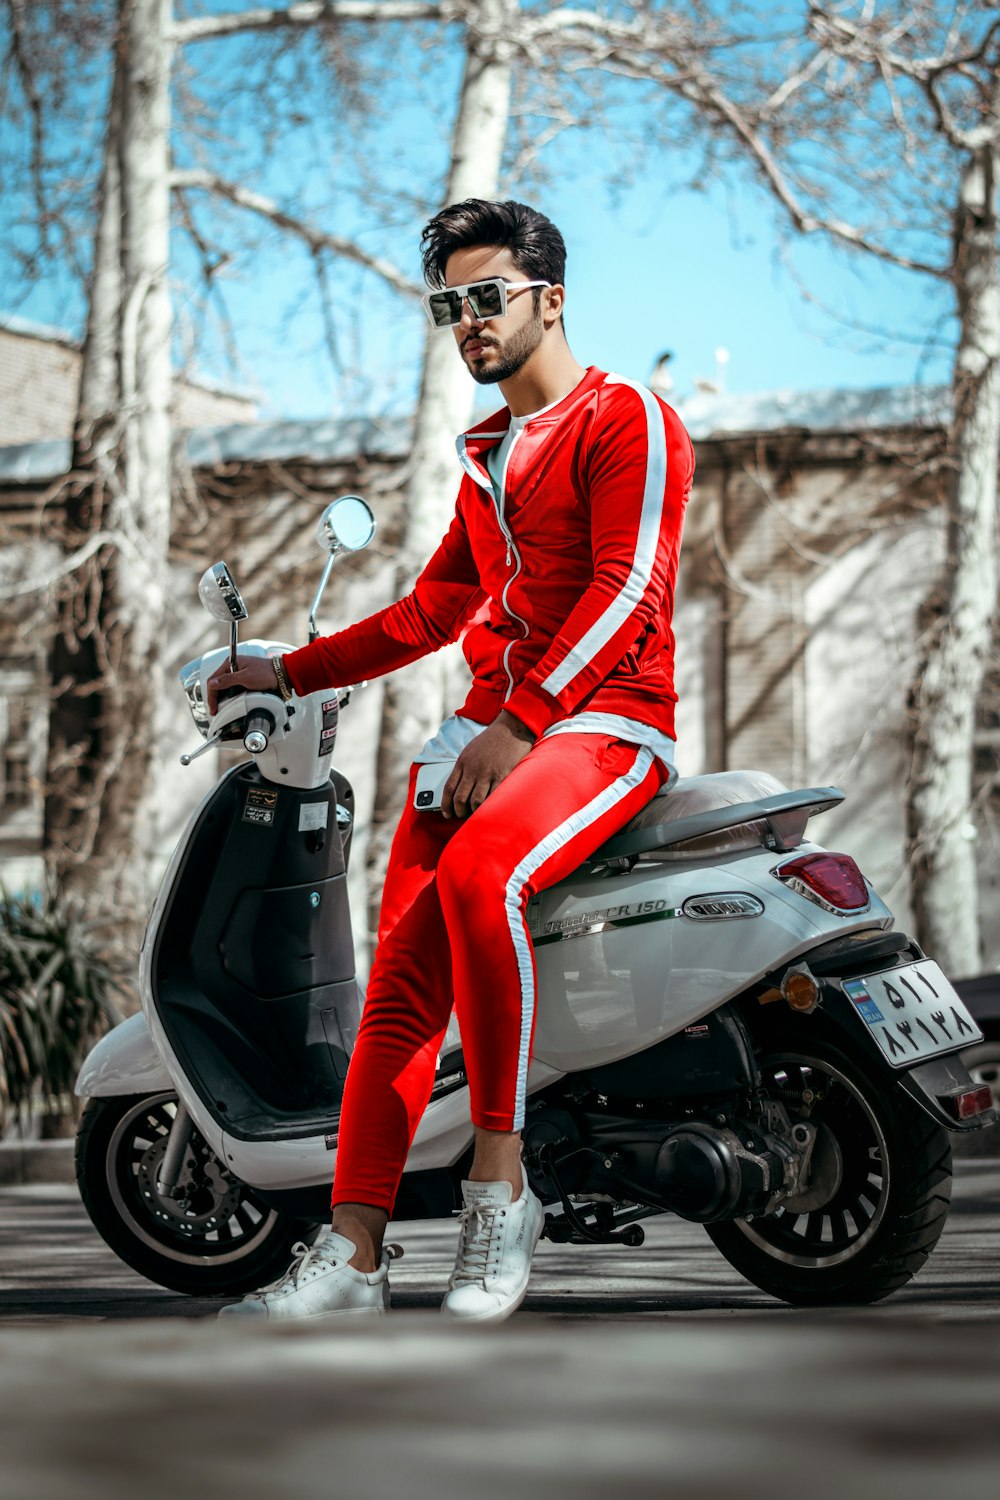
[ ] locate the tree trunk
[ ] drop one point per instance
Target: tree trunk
(945, 691)
(73, 756)
(104, 662)
(414, 701)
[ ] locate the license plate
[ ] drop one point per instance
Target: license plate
(912, 1013)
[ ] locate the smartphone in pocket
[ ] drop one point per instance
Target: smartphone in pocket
(429, 789)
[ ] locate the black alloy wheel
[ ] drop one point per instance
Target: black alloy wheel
(216, 1238)
(876, 1198)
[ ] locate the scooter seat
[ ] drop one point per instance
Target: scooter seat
(705, 794)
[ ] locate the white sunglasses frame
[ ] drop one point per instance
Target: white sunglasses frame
(463, 292)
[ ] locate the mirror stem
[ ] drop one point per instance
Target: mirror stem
(313, 627)
(233, 637)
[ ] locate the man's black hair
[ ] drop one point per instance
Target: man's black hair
(535, 244)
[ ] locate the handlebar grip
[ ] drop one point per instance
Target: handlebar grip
(257, 731)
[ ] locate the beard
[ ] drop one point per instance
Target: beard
(512, 355)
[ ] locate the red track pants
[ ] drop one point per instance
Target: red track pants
(452, 931)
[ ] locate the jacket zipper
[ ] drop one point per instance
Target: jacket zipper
(512, 552)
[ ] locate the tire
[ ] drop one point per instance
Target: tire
(983, 1063)
(223, 1241)
(877, 1198)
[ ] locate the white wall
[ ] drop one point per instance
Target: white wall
(858, 664)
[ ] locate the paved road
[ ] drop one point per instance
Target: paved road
(647, 1372)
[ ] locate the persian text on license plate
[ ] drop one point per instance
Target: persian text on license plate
(913, 1013)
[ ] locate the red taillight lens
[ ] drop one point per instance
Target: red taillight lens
(972, 1102)
(833, 879)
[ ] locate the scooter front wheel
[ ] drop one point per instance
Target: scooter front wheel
(216, 1237)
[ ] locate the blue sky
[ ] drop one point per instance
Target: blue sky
(687, 272)
(650, 268)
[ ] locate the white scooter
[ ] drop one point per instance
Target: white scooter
(728, 1029)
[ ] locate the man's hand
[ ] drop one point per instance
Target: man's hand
(484, 764)
(254, 674)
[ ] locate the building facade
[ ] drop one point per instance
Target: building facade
(40, 378)
(814, 533)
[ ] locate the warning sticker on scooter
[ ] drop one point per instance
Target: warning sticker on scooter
(328, 730)
(260, 806)
(313, 815)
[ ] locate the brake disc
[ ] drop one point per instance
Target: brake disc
(207, 1195)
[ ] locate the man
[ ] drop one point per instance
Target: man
(559, 566)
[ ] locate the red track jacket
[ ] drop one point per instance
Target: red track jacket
(567, 582)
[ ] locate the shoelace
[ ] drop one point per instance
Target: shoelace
(479, 1242)
(303, 1256)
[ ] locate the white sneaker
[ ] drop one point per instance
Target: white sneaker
(494, 1252)
(319, 1283)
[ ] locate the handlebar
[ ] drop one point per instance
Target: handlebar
(257, 731)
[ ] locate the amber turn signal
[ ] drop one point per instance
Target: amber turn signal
(800, 990)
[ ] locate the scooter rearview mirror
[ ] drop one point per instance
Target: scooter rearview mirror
(346, 525)
(220, 596)
(223, 600)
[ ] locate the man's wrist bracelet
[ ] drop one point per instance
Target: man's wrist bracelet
(284, 686)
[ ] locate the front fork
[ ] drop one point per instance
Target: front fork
(168, 1183)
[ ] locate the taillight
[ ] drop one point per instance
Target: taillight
(971, 1102)
(833, 880)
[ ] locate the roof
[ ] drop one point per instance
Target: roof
(328, 441)
(26, 328)
(34, 463)
(46, 333)
(338, 439)
(708, 415)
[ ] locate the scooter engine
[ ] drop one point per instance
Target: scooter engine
(706, 1172)
(700, 1169)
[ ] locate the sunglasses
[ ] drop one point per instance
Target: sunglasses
(487, 299)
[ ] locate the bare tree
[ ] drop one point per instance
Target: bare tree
(85, 822)
(920, 91)
(414, 702)
(877, 125)
(775, 97)
(553, 47)
(105, 656)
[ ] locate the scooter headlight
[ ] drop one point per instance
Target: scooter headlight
(190, 679)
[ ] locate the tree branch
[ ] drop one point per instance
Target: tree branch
(794, 82)
(568, 18)
(44, 581)
(919, 69)
(704, 93)
(945, 121)
(701, 90)
(317, 239)
(211, 261)
(848, 39)
(26, 76)
(307, 13)
(641, 51)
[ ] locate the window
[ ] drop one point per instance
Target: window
(22, 745)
